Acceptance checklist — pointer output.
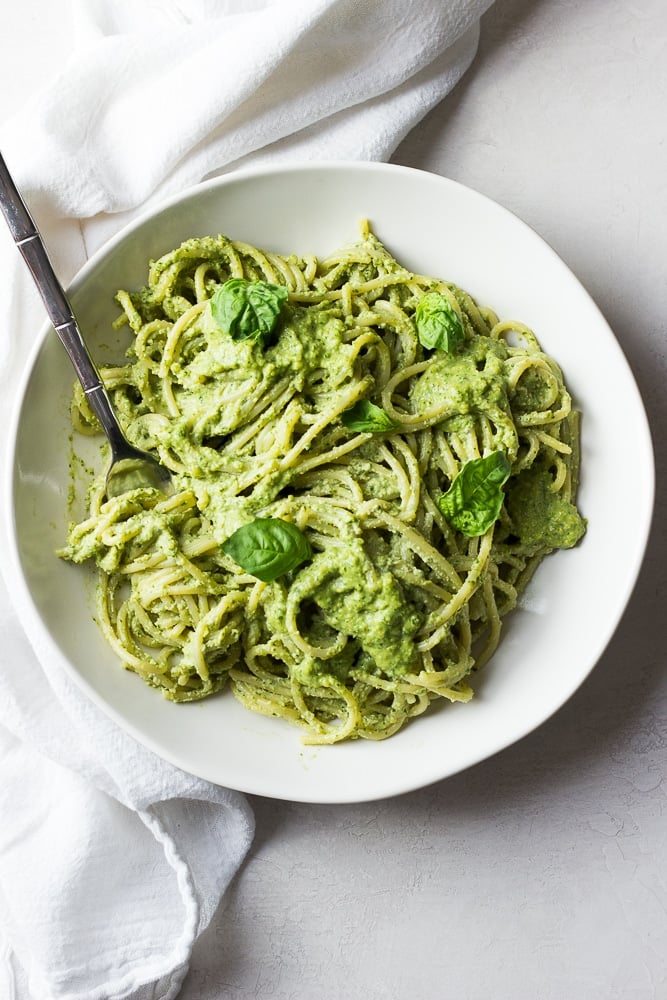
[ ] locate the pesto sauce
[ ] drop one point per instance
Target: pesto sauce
(464, 380)
(469, 381)
(359, 600)
(541, 518)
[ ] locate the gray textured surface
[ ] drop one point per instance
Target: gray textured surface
(542, 873)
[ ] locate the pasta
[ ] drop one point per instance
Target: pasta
(368, 467)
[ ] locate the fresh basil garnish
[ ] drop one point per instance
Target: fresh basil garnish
(473, 501)
(268, 547)
(246, 309)
(365, 416)
(439, 326)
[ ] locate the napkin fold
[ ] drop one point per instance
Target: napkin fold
(112, 862)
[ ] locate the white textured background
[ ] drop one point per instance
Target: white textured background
(542, 873)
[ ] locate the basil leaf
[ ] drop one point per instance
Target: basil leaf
(439, 326)
(245, 309)
(473, 501)
(365, 416)
(268, 547)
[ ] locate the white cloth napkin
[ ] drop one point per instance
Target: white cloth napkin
(112, 862)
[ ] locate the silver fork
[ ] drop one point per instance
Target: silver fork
(130, 467)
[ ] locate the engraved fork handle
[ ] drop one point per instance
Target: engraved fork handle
(29, 242)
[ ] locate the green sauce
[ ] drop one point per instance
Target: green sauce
(541, 518)
(469, 382)
(368, 604)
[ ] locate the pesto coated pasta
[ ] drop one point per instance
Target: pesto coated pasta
(368, 467)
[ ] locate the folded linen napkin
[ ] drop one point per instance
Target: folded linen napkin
(112, 862)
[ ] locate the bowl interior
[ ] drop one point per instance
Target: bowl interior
(575, 600)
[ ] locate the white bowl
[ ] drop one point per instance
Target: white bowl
(574, 602)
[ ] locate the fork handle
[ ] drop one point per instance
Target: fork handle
(29, 242)
(14, 209)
